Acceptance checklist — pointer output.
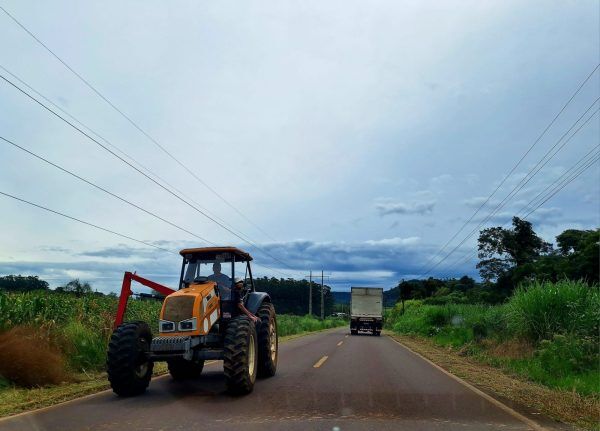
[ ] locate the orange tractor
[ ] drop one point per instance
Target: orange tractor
(199, 321)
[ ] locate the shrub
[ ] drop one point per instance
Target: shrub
(437, 316)
(563, 355)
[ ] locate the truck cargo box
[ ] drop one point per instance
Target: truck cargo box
(366, 310)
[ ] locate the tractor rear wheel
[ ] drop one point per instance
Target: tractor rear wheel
(180, 369)
(268, 340)
(240, 356)
(127, 364)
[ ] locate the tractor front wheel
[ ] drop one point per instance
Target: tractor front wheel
(240, 356)
(180, 369)
(268, 341)
(127, 364)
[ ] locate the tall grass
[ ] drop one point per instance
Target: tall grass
(557, 326)
(541, 309)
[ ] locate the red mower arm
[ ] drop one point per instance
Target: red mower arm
(126, 293)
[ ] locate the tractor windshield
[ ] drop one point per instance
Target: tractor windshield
(217, 270)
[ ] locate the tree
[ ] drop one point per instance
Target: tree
(76, 287)
(19, 283)
(502, 250)
(581, 254)
(572, 240)
(291, 296)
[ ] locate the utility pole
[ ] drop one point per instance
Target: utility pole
(310, 294)
(322, 298)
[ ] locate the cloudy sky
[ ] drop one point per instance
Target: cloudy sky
(357, 137)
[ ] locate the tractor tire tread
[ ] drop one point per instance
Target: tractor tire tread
(235, 352)
(266, 366)
(121, 357)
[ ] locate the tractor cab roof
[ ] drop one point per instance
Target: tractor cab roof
(212, 253)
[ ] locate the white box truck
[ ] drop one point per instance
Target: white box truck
(366, 310)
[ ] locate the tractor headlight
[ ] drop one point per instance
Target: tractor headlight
(166, 326)
(188, 325)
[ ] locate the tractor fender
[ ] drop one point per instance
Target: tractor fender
(255, 299)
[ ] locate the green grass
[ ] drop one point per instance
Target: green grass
(290, 325)
(540, 310)
(558, 325)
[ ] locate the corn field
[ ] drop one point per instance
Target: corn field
(80, 327)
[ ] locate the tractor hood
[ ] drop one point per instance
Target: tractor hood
(190, 311)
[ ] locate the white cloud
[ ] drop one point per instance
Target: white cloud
(394, 241)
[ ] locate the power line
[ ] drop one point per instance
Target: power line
(582, 160)
(515, 190)
(130, 158)
(512, 169)
(87, 223)
(584, 163)
(122, 199)
(564, 184)
(96, 186)
(522, 183)
(142, 173)
(133, 123)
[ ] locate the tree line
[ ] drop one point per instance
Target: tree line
(508, 257)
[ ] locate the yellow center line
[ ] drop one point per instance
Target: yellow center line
(320, 362)
(340, 343)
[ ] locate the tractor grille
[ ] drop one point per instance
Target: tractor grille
(178, 308)
(170, 344)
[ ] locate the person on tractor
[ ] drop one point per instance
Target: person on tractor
(222, 281)
(237, 298)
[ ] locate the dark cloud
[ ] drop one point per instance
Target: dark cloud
(120, 251)
(374, 262)
(403, 208)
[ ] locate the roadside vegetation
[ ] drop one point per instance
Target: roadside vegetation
(529, 330)
(547, 332)
(49, 337)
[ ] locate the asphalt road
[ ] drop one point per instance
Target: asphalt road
(365, 383)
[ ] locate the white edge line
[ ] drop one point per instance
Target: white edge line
(479, 392)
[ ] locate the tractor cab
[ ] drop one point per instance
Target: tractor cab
(218, 267)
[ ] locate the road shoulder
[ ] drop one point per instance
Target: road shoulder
(529, 399)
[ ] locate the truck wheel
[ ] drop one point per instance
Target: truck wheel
(353, 332)
(180, 369)
(129, 370)
(268, 341)
(240, 358)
